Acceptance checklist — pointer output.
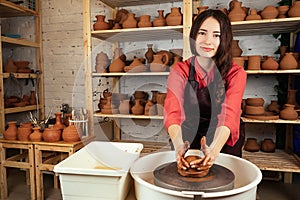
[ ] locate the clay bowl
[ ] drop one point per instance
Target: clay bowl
(255, 101)
(254, 110)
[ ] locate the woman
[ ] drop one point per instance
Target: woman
(204, 94)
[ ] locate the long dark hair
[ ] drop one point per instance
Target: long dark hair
(223, 57)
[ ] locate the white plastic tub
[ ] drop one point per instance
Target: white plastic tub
(99, 170)
(247, 177)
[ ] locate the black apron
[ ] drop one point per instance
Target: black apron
(201, 112)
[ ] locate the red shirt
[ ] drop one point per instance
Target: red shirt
(231, 107)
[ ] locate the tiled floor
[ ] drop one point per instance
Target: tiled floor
(267, 190)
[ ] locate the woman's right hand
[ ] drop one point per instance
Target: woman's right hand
(180, 151)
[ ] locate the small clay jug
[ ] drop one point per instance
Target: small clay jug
(274, 106)
(32, 98)
(102, 62)
(100, 24)
(10, 66)
(23, 133)
(71, 133)
(160, 20)
(288, 112)
(268, 146)
(36, 135)
(269, 12)
(236, 50)
(294, 11)
(124, 107)
(270, 64)
(282, 11)
(251, 145)
(130, 21)
(137, 108)
(52, 134)
(149, 53)
(159, 63)
(254, 62)
(237, 13)
(288, 61)
(58, 121)
(145, 21)
(11, 132)
(253, 15)
(175, 17)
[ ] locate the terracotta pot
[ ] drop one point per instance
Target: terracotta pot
(200, 10)
(149, 53)
(100, 24)
(138, 94)
(288, 112)
(240, 61)
(270, 64)
(237, 13)
(159, 63)
(26, 125)
(236, 50)
(268, 146)
(269, 12)
(118, 62)
(175, 17)
(145, 21)
(150, 108)
(32, 98)
(102, 62)
(294, 10)
(124, 107)
(137, 108)
(11, 132)
(176, 59)
(58, 121)
(160, 103)
(10, 66)
(253, 15)
(160, 20)
(130, 21)
(37, 135)
(274, 106)
(254, 110)
(251, 145)
(71, 133)
(136, 66)
(288, 61)
(254, 62)
(23, 133)
(282, 11)
(255, 101)
(52, 134)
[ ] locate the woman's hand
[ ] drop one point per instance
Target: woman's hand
(180, 151)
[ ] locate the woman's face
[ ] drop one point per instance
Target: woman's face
(208, 38)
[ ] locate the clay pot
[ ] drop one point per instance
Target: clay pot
(254, 62)
(160, 20)
(23, 133)
(149, 53)
(116, 26)
(145, 21)
(175, 17)
(274, 106)
(268, 146)
(100, 24)
(237, 13)
(118, 62)
(10, 66)
(137, 108)
(270, 64)
(140, 95)
(26, 125)
(269, 12)
(52, 134)
(294, 10)
(58, 121)
(102, 62)
(255, 101)
(159, 63)
(37, 135)
(121, 16)
(150, 108)
(106, 93)
(251, 145)
(253, 15)
(71, 134)
(240, 61)
(282, 11)
(288, 61)
(160, 103)
(288, 112)
(130, 21)
(136, 66)
(11, 132)
(236, 50)
(254, 110)
(176, 59)
(200, 10)
(32, 98)
(124, 107)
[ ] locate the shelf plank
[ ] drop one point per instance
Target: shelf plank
(266, 26)
(21, 42)
(131, 74)
(9, 9)
(278, 161)
(122, 116)
(122, 3)
(291, 71)
(19, 109)
(140, 34)
(20, 75)
(277, 121)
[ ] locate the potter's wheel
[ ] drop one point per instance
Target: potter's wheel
(219, 178)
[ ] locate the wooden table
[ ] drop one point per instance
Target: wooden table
(23, 159)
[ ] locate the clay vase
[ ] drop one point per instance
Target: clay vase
(268, 146)
(294, 10)
(23, 133)
(36, 135)
(32, 98)
(10, 66)
(237, 13)
(269, 12)
(253, 15)
(71, 134)
(291, 97)
(118, 63)
(145, 21)
(52, 134)
(102, 62)
(282, 11)
(251, 145)
(254, 62)
(159, 63)
(137, 108)
(130, 21)
(11, 132)
(150, 108)
(124, 106)
(160, 20)
(270, 64)
(274, 106)
(175, 17)
(58, 121)
(100, 24)
(149, 53)
(288, 112)
(236, 50)
(288, 61)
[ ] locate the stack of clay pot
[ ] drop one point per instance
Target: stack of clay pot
(254, 106)
(106, 103)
